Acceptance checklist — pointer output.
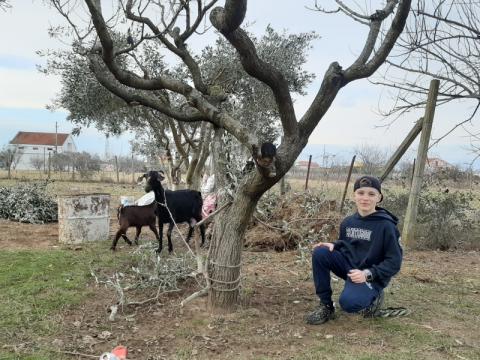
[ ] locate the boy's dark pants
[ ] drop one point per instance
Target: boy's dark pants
(355, 297)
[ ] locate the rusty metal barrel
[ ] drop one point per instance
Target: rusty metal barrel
(83, 218)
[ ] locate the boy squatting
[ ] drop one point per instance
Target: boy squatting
(366, 256)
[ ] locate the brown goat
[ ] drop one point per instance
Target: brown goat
(137, 216)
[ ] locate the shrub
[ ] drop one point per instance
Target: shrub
(443, 221)
(28, 203)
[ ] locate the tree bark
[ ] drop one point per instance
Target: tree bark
(226, 252)
(225, 255)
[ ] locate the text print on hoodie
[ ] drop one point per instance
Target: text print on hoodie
(372, 242)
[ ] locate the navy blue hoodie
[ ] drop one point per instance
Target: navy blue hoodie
(372, 242)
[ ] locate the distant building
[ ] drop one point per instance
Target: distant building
(30, 147)
(437, 164)
(303, 164)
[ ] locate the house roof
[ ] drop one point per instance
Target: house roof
(39, 138)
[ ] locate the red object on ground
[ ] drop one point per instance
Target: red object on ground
(121, 352)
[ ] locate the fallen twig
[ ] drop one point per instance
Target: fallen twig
(138, 303)
(269, 226)
(310, 219)
(77, 354)
(195, 295)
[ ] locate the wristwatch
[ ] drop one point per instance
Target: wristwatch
(368, 275)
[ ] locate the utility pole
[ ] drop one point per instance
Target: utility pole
(56, 137)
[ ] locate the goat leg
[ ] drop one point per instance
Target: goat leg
(154, 230)
(127, 240)
(139, 230)
(202, 233)
(115, 240)
(160, 237)
(190, 232)
(169, 236)
(120, 232)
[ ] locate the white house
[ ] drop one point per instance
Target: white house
(31, 147)
(435, 164)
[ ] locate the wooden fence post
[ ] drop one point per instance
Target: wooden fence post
(49, 164)
(408, 232)
(412, 135)
(308, 172)
(10, 162)
(116, 168)
(347, 182)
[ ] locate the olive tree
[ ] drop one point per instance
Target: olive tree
(184, 146)
(170, 25)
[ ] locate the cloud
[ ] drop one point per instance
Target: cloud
(27, 88)
(16, 62)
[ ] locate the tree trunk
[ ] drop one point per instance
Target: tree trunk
(195, 182)
(189, 177)
(226, 253)
(200, 154)
(229, 228)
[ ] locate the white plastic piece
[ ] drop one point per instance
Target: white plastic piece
(146, 199)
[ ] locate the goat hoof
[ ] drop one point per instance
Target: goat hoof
(158, 251)
(112, 248)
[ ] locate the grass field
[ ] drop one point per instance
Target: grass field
(52, 308)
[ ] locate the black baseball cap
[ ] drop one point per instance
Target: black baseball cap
(367, 181)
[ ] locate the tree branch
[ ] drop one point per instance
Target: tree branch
(262, 71)
(398, 23)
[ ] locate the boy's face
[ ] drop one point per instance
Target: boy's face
(366, 198)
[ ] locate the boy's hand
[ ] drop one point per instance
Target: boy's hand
(357, 276)
(324, 244)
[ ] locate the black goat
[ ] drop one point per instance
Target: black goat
(137, 216)
(183, 205)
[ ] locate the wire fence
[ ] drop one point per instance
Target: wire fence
(94, 176)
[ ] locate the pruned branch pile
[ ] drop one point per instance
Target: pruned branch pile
(28, 203)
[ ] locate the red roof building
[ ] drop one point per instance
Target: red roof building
(39, 138)
(32, 148)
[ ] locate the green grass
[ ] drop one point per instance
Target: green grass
(35, 286)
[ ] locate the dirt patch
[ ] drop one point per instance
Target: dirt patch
(21, 236)
(18, 236)
(277, 292)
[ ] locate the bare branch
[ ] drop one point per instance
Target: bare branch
(398, 23)
(178, 49)
(441, 41)
(335, 77)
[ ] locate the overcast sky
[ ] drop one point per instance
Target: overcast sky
(351, 121)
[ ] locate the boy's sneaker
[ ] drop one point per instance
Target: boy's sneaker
(374, 309)
(320, 315)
